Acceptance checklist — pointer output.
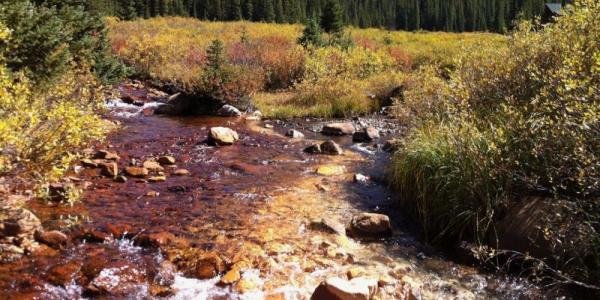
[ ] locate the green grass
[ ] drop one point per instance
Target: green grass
(447, 181)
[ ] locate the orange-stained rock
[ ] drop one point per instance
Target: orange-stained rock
(53, 238)
(136, 171)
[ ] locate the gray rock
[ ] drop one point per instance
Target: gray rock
(295, 134)
(366, 135)
(229, 111)
(328, 225)
(223, 136)
(313, 149)
(338, 129)
(370, 225)
(331, 148)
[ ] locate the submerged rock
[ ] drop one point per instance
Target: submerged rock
(328, 225)
(331, 170)
(229, 111)
(370, 225)
(340, 289)
(208, 265)
(53, 238)
(366, 135)
(159, 178)
(346, 128)
(181, 172)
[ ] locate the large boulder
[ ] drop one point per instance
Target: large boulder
(336, 288)
(370, 225)
(345, 128)
(222, 136)
(176, 105)
(365, 135)
(229, 111)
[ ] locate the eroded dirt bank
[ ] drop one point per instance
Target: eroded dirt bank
(252, 220)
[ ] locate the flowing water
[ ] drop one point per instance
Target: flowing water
(255, 200)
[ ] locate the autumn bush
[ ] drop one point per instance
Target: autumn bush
(312, 78)
(510, 121)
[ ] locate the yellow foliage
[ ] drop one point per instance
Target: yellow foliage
(38, 129)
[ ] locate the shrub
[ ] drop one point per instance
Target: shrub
(511, 121)
(38, 130)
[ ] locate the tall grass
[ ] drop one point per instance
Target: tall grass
(446, 177)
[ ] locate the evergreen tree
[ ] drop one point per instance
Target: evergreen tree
(311, 36)
(248, 9)
(126, 10)
(331, 19)
(235, 10)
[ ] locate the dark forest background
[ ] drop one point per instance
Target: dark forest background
(435, 15)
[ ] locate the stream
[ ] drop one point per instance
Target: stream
(254, 202)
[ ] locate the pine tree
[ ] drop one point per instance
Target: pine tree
(235, 11)
(126, 10)
(215, 58)
(248, 10)
(311, 36)
(268, 11)
(331, 19)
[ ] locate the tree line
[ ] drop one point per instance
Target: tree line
(435, 15)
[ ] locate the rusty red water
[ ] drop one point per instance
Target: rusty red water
(254, 198)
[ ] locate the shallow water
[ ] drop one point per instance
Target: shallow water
(253, 199)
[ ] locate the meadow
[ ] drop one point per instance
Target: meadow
(280, 77)
(491, 119)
